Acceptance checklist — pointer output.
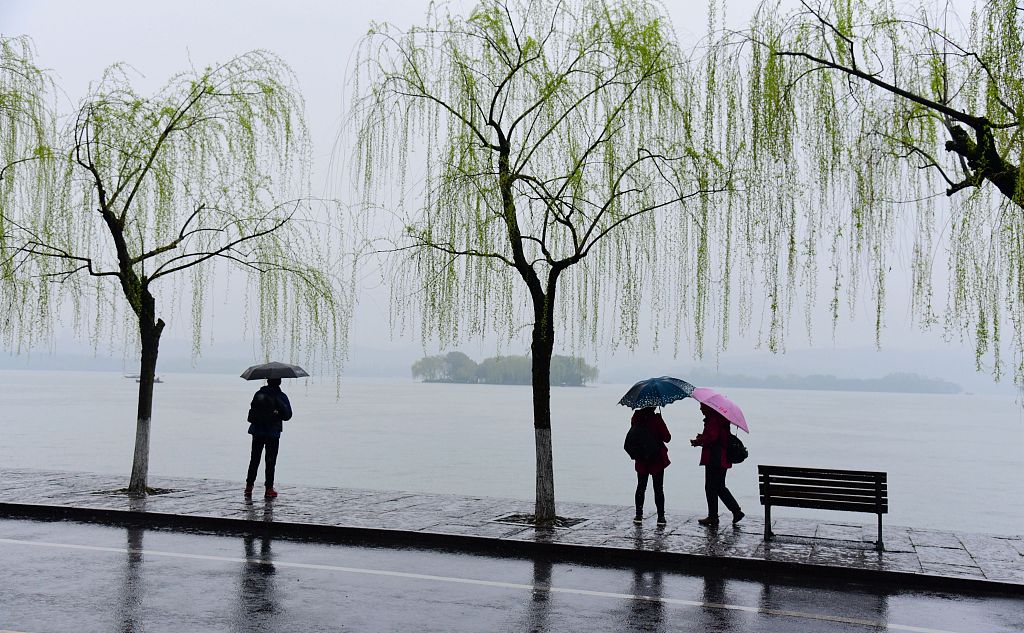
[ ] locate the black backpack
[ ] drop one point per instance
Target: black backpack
(261, 409)
(736, 452)
(640, 443)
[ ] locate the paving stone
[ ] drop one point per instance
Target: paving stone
(781, 549)
(592, 539)
(653, 543)
(839, 532)
(944, 556)
(932, 538)
(699, 548)
(586, 509)
(985, 547)
(895, 539)
(536, 535)
(893, 561)
(1003, 572)
(488, 530)
(913, 550)
(692, 528)
(794, 527)
(1017, 544)
(962, 571)
(853, 546)
(742, 549)
(837, 557)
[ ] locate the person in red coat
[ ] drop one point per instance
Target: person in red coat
(715, 459)
(653, 467)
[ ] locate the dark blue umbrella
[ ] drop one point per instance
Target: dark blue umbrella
(656, 392)
(273, 370)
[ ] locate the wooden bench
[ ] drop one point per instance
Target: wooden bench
(823, 489)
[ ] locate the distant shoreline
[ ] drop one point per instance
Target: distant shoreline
(890, 383)
(698, 378)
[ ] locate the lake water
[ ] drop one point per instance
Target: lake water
(954, 461)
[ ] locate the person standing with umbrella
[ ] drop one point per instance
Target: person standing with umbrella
(269, 408)
(718, 412)
(648, 436)
(652, 467)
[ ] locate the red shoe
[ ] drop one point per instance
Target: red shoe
(248, 492)
(271, 493)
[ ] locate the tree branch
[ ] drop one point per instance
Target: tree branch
(165, 269)
(175, 243)
(954, 114)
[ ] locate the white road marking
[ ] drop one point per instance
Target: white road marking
(490, 583)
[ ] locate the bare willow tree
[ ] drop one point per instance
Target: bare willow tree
(559, 151)
(146, 197)
(872, 111)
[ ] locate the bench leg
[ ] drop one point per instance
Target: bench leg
(878, 544)
(768, 523)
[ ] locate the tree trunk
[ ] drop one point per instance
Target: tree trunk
(542, 343)
(984, 158)
(541, 349)
(149, 334)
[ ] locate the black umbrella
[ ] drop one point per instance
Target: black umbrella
(656, 392)
(273, 370)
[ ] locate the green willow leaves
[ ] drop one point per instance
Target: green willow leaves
(211, 171)
(606, 170)
(860, 117)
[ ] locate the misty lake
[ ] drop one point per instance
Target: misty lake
(954, 461)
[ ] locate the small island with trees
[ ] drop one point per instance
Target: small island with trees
(456, 367)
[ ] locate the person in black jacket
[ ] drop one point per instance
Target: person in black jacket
(269, 407)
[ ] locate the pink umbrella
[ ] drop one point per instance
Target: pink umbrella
(723, 405)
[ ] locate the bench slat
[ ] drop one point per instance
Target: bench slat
(803, 492)
(794, 501)
(818, 473)
(825, 483)
(822, 504)
(764, 468)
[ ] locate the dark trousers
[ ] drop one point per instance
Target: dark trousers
(659, 492)
(258, 443)
(714, 489)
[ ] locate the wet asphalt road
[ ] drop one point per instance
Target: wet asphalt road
(75, 577)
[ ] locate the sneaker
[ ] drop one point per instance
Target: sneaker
(737, 517)
(638, 519)
(271, 493)
(662, 520)
(708, 521)
(248, 492)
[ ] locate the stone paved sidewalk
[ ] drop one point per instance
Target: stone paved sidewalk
(840, 546)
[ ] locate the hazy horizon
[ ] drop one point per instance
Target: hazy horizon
(396, 362)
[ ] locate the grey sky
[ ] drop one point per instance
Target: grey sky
(77, 40)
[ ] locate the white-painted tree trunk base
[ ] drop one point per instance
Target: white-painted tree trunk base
(544, 509)
(140, 463)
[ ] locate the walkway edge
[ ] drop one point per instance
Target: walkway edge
(509, 547)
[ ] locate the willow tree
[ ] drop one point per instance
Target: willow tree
(560, 176)
(26, 126)
(139, 198)
(879, 108)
